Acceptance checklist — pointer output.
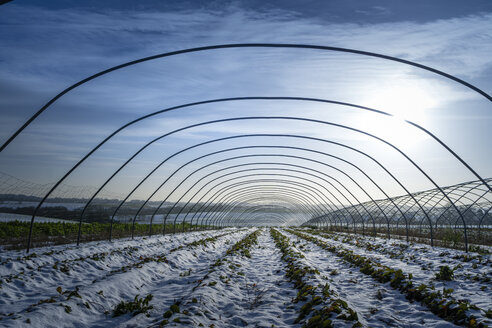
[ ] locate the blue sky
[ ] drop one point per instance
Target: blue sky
(46, 46)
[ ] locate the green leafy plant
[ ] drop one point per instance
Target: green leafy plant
(138, 305)
(445, 273)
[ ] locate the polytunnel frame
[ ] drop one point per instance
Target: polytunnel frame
(260, 45)
(253, 214)
(332, 124)
(158, 167)
(205, 156)
(216, 162)
(432, 193)
(242, 217)
(246, 182)
(241, 165)
(220, 221)
(291, 191)
(287, 189)
(285, 164)
(253, 199)
(231, 203)
(148, 199)
(255, 169)
(250, 156)
(217, 206)
(230, 208)
(429, 195)
(322, 153)
(236, 172)
(463, 195)
(233, 137)
(193, 104)
(222, 100)
(292, 186)
(268, 118)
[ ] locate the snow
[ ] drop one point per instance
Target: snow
(18, 204)
(247, 291)
(423, 261)
(7, 217)
(361, 292)
(237, 292)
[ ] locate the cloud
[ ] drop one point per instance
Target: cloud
(375, 10)
(44, 51)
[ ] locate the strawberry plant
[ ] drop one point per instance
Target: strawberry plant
(138, 305)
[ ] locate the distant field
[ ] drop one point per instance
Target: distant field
(13, 233)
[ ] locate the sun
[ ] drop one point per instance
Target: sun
(412, 103)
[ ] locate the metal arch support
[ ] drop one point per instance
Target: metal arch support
(234, 166)
(209, 222)
(315, 193)
(294, 192)
(249, 200)
(285, 189)
(308, 190)
(232, 137)
(266, 118)
(229, 99)
(228, 180)
(288, 118)
(224, 201)
(242, 45)
(236, 99)
(202, 167)
(253, 214)
(231, 173)
(222, 139)
(261, 208)
(269, 155)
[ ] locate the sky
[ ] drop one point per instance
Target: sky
(46, 46)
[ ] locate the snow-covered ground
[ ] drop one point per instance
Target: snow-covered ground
(7, 217)
(472, 272)
(66, 286)
(377, 305)
(16, 204)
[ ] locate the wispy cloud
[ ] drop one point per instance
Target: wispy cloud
(43, 51)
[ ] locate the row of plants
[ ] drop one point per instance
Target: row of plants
(202, 242)
(13, 234)
(141, 304)
(320, 303)
(240, 248)
(64, 266)
(441, 304)
(443, 242)
(443, 236)
(160, 258)
(399, 251)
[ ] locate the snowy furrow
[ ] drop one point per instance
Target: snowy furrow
(321, 305)
(377, 304)
(469, 265)
(17, 260)
(97, 276)
(245, 291)
(477, 292)
(29, 287)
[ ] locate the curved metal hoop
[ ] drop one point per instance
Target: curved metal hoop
(243, 45)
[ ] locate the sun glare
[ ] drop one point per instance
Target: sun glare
(410, 103)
